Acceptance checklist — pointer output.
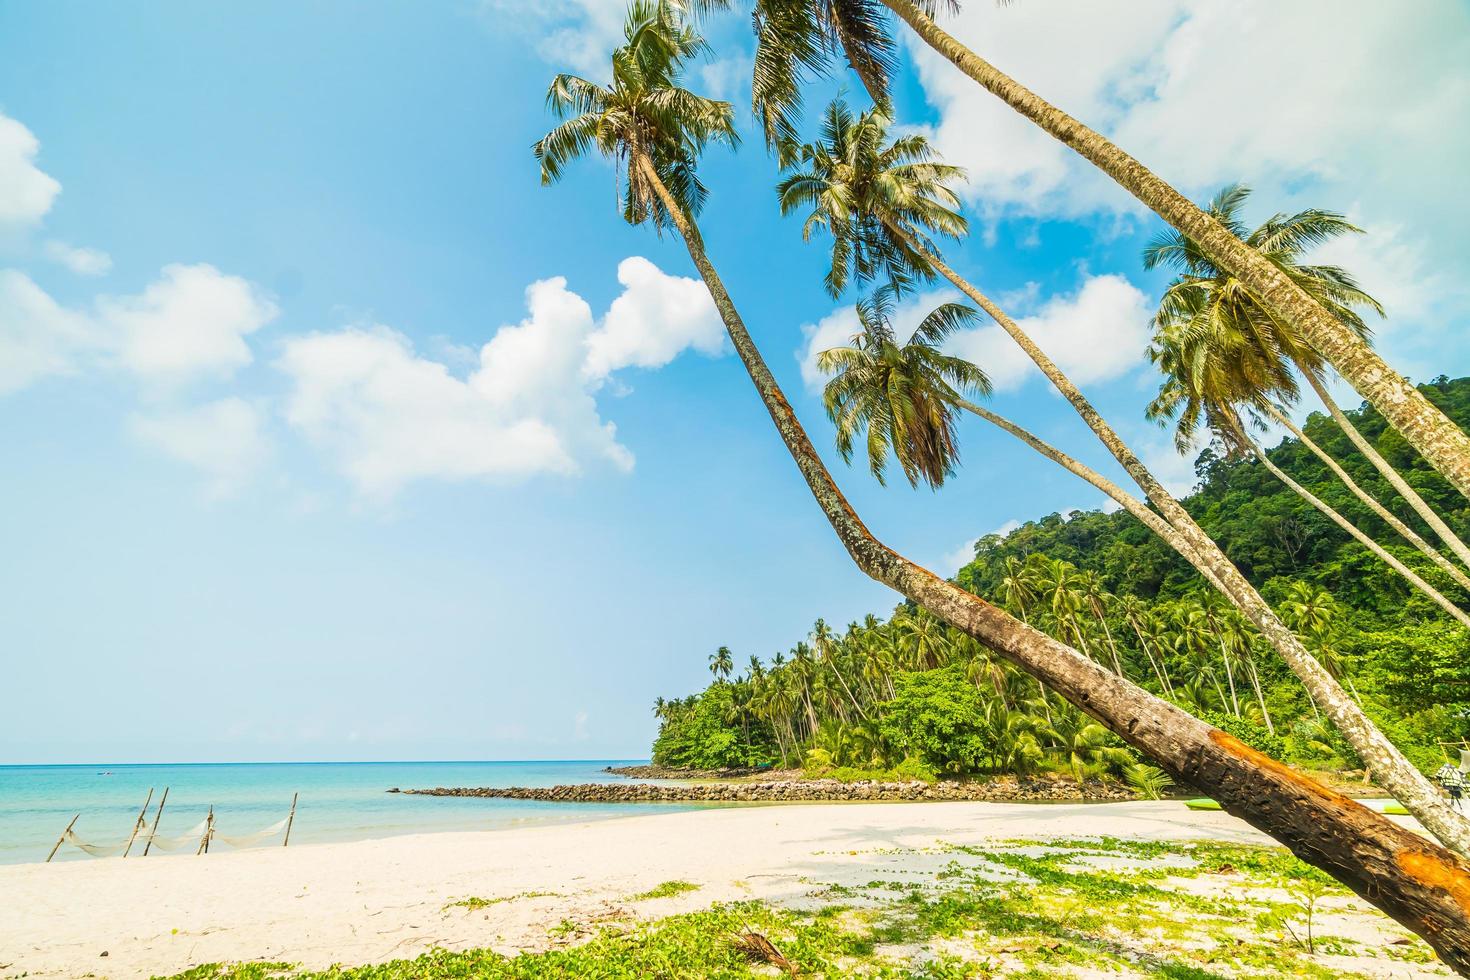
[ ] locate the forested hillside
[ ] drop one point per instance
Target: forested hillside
(910, 693)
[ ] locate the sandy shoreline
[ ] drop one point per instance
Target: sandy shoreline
(371, 901)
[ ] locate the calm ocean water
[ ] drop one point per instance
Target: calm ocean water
(338, 802)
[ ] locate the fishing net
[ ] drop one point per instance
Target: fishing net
(189, 839)
(245, 840)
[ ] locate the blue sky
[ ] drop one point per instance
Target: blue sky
(332, 435)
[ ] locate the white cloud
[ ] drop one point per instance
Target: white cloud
(26, 192)
(1158, 76)
(1173, 469)
(1097, 334)
(79, 259)
(38, 337)
(389, 416)
(965, 553)
(1342, 104)
(655, 318)
(574, 35)
(225, 439)
(837, 329)
(191, 322)
(726, 78)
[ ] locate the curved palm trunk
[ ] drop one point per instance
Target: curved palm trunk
(1422, 885)
(1260, 695)
(1384, 514)
(843, 681)
(1358, 535)
(1158, 670)
(1399, 776)
(1394, 478)
(1426, 428)
(1229, 674)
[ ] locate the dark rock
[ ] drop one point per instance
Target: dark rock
(1008, 789)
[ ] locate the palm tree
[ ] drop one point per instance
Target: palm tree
(645, 120)
(1219, 311)
(796, 38)
(1145, 629)
(901, 396)
(1208, 374)
(721, 663)
(1313, 612)
(880, 200)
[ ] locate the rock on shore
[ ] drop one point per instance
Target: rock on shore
(813, 790)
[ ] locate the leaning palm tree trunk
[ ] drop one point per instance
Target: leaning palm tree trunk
(1357, 534)
(1399, 776)
(1260, 695)
(1420, 884)
(1426, 428)
(1394, 478)
(1387, 516)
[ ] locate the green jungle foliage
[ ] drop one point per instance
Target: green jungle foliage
(909, 692)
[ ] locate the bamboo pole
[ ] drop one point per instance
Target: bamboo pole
(208, 829)
(62, 837)
(140, 822)
(290, 818)
(156, 817)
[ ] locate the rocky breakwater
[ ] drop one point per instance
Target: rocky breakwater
(799, 791)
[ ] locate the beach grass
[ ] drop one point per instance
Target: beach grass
(1175, 910)
(667, 889)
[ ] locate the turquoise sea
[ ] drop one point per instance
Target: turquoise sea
(338, 801)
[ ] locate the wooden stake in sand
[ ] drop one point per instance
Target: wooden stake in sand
(62, 837)
(140, 823)
(290, 818)
(208, 832)
(154, 832)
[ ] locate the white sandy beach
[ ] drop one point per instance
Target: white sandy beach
(378, 900)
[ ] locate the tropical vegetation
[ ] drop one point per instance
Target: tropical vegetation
(655, 131)
(908, 688)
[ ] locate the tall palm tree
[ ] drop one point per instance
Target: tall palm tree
(721, 663)
(880, 200)
(1208, 372)
(1219, 310)
(797, 38)
(1144, 627)
(645, 120)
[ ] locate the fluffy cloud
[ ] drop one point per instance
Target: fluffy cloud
(38, 337)
(224, 439)
(577, 35)
(837, 328)
(1324, 103)
(1160, 76)
(1097, 334)
(189, 323)
(655, 318)
(81, 260)
(26, 192)
(389, 416)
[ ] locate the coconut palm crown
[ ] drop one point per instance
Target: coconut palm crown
(903, 396)
(869, 193)
(799, 40)
(1216, 342)
(644, 113)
